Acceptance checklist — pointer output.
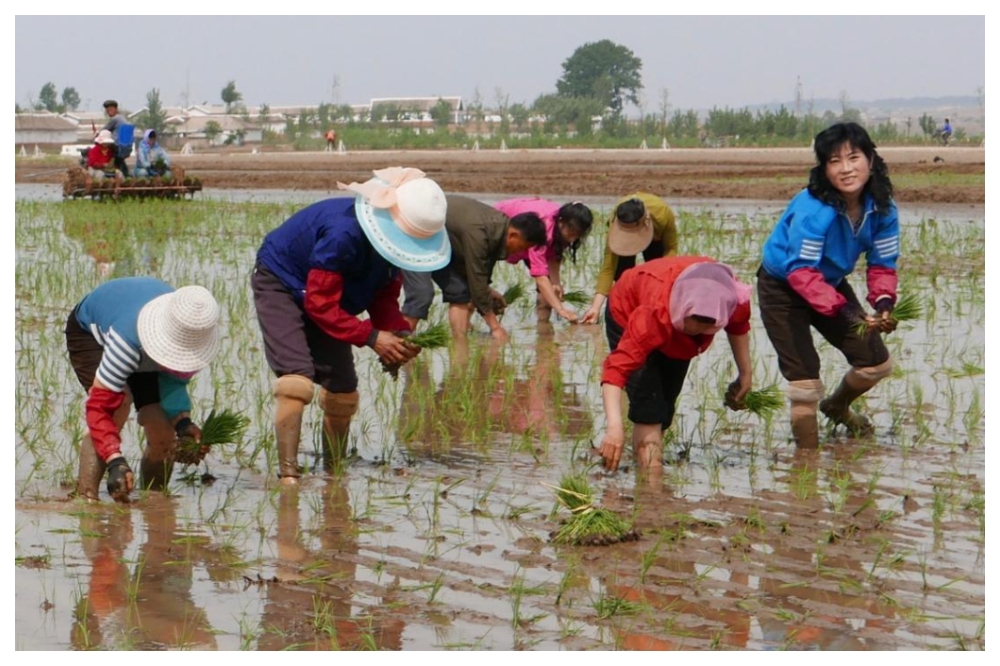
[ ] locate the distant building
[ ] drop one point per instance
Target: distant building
(32, 129)
(414, 109)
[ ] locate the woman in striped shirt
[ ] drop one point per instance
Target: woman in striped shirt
(137, 340)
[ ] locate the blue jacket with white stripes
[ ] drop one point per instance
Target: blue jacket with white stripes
(814, 235)
(111, 314)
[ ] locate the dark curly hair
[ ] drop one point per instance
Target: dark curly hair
(829, 142)
(579, 218)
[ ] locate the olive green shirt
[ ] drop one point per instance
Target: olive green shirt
(478, 235)
(664, 229)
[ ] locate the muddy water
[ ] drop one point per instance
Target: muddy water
(436, 534)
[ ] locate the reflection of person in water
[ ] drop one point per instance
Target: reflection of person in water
(851, 621)
(533, 401)
(297, 590)
(538, 402)
(146, 604)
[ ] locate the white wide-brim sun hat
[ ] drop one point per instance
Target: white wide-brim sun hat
(421, 207)
(180, 330)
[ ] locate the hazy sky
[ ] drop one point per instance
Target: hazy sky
(704, 61)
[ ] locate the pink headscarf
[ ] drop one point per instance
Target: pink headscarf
(708, 289)
(380, 192)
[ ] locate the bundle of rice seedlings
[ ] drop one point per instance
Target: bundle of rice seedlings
(513, 293)
(576, 298)
(588, 525)
(765, 401)
(434, 336)
(225, 427)
(908, 308)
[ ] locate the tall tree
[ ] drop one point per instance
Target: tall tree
(441, 113)
(48, 98)
(603, 70)
(230, 95)
(154, 117)
(212, 130)
(70, 99)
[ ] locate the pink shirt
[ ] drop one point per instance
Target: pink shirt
(538, 256)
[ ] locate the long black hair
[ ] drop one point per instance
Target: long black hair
(580, 218)
(829, 142)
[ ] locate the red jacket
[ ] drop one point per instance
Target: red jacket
(640, 304)
(100, 156)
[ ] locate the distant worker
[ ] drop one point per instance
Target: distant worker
(101, 158)
(331, 139)
(641, 222)
(121, 130)
(151, 160)
(945, 131)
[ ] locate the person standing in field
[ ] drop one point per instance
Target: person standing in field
(846, 210)
(331, 140)
(480, 236)
(660, 315)
(138, 341)
(641, 222)
(118, 127)
(318, 271)
(566, 226)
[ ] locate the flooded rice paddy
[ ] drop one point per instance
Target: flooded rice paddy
(436, 534)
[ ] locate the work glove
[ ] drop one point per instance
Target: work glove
(119, 479)
(886, 322)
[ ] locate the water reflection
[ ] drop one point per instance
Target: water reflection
(489, 388)
(146, 603)
(308, 601)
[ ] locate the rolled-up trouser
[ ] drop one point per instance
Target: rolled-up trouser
(654, 388)
(293, 343)
(787, 318)
(418, 290)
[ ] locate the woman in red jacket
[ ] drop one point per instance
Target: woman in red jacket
(660, 315)
(101, 157)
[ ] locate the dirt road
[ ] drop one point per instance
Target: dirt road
(921, 174)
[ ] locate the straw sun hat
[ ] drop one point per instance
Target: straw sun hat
(180, 330)
(402, 213)
(630, 236)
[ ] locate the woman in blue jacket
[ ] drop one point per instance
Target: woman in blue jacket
(847, 210)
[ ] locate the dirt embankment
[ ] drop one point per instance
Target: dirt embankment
(922, 175)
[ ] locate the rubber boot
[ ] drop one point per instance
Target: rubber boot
(857, 382)
(157, 462)
(92, 469)
(291, 393)
(338, 408)
(804, 394)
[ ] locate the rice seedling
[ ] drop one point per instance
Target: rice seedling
(908, 308)
(513, 293)
(221, 427)
(434, 336)
(588, 525)
(765, 402)
(576, 298)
